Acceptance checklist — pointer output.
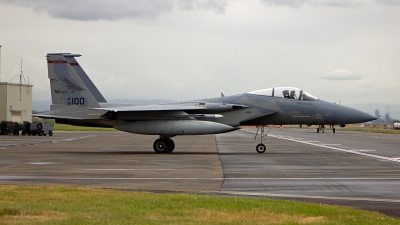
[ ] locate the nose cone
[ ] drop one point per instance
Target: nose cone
(347, 115)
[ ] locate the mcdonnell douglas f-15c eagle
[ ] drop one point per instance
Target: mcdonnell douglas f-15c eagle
(77, 101)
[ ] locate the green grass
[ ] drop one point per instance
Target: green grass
(65, 205)
(370, 130)
(378, 129)
(66, 127)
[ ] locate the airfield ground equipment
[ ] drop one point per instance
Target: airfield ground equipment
(26, 128)
(396, 125)
(7, 127)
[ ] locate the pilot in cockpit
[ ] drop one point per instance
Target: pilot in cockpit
(292, 94)
(286, 93)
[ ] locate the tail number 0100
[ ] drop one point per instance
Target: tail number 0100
(77, 101)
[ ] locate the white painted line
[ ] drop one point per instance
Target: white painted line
(317, 178)
(201, 178)
(43, 163)
(143, 170)
(309, 197)
(332, 144)
(77, 138)
(336, 148)
(365, 150)
(343, 150)
(104, 178)
(22, 139)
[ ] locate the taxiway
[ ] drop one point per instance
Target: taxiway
(347, 168)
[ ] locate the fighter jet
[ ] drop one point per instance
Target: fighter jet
(77, 101)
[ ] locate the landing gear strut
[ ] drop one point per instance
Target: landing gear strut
(260, 148)
(321, 128)
(164, 145)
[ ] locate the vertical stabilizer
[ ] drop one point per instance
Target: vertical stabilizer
(68, 91)
(84, 77)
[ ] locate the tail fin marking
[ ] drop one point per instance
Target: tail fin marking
(68, 91)
(84, 77)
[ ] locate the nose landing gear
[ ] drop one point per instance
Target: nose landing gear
(260, 148)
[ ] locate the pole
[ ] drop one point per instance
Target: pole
(0, 63)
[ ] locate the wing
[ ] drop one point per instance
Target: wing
(185, 106)
(143, 108)
(189, 110)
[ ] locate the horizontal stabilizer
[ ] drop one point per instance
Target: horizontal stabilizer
(55, 117)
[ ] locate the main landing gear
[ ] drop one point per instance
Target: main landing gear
(164, 145)
(260, 148)
(322, 128)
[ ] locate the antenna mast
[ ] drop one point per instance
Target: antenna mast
(0, 63)
(20, 76)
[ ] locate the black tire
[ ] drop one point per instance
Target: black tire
(39, 126)
(171, 145)
(23, 133)
(161, 146)
(261, 148)
(317, 130)
(50, 133)
(334, 130)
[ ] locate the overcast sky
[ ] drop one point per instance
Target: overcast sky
(337, 50)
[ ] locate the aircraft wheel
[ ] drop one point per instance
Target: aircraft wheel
(161, 146)
(261, 148)
(170, 144)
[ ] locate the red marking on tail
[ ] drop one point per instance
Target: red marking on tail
(57, 61)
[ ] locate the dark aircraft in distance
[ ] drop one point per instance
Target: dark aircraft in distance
(77, 101)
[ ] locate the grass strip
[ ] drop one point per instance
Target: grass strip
(370, 130)
(378, 130)
(66, 127)
(67, 205)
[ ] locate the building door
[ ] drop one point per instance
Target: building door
(16, 117)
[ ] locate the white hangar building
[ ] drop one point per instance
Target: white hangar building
(15, 101)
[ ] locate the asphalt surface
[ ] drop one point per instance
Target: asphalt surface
(347, 168)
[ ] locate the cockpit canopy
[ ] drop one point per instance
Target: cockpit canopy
(286, 92)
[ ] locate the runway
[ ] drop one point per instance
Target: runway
(347, 168)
